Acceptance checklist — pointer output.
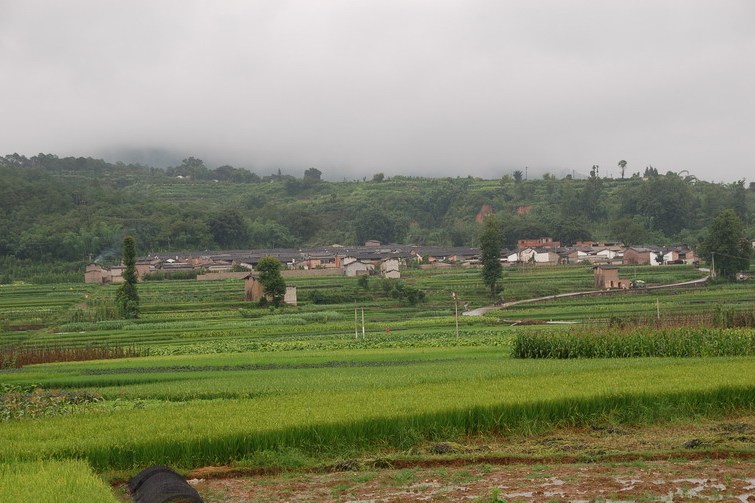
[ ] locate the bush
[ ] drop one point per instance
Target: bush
(726, 317)
(406, 294)
(19, 402)
(327, 297)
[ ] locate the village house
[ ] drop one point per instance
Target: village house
(95, 273)
(545, 242)
(546, 256)
(355, 267)
(679, 255)
(608, 255)
(522, 256)
(641, 256)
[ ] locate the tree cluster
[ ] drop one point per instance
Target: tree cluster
(79, 209)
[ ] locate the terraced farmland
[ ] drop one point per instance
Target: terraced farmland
(226, 383)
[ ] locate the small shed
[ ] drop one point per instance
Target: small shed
(95, 274)
(253, 290)
(607, 277)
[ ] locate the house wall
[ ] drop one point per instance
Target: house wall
(526, 255)
(302, 273)
(253, 292)
(252, 289)
(390, 269)
(142, 269)
(94, 274)
(538, 243)
(547, 258)
(290, 297)
(632, 256)
(606, 278)
(609, 278)
(357, 269)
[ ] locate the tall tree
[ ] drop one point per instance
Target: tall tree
(127, 298)
(376, 223)
(270, 277)
(623, 165)
(725, 246)
(490, 255)
(229, 229)
(312, 174)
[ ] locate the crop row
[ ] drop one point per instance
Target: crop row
(62, 481)
(637, 342)
(522, 396)
(17, 357)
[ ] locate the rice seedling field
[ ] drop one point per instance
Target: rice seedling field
(212, 380)
(65, 481)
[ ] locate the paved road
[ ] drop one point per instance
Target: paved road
(482, 310)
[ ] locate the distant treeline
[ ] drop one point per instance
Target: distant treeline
(78, 209)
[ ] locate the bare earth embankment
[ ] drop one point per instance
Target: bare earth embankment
(708, 460)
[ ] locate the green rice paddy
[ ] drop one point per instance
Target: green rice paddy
(228, 383)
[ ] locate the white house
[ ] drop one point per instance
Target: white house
(546, 257)
(357, 268)
(389, 268)
(607, 254)
(527, 255)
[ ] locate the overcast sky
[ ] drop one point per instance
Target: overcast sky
(438, 88)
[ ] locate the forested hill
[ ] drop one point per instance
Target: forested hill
(74, 209)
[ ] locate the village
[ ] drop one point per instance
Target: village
(374, 258)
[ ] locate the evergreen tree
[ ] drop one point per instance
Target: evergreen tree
(725, 247)
(491, 241)
(271, 280)
(127, 298)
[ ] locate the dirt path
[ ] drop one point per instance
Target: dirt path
(482, 310)
(709, 460)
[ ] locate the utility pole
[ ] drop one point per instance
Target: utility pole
(456, 306)
(712, 265)
(356, 333)
(363, 334)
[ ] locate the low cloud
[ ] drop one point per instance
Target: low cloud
(418, 88)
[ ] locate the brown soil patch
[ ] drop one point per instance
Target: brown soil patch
(24, 328)
(706, 460)
(702, 480)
